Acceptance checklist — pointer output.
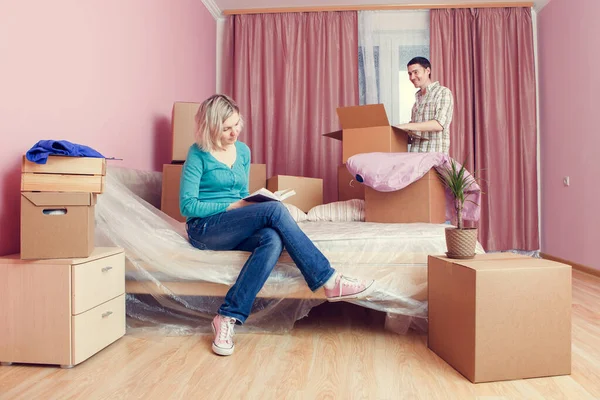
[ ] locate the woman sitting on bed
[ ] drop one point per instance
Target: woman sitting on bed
(213, 182)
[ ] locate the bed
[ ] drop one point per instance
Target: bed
(175, 288)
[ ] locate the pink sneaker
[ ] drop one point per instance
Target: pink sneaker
(223, 329)
(348, 288)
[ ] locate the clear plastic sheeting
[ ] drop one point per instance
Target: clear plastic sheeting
(176, 289)
(528, 253)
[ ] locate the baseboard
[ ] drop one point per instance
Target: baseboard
(579, 267)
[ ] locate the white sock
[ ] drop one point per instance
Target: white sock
(331, 281)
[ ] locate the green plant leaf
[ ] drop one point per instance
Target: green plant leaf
(459, 182)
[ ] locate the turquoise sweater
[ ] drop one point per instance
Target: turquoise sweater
(208, 186)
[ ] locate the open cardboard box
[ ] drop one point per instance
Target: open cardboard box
(366, 129)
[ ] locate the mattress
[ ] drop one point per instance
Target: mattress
(347, 245)
(377, 243)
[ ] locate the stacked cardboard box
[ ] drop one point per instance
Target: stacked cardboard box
(57, 206)
(183, 124)
(422, 201)
(366, 129)
(348, 187)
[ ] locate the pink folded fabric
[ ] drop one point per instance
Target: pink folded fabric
(388, 172)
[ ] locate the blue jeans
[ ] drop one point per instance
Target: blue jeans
(263, 229)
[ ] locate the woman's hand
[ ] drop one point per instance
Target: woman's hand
(238, 204)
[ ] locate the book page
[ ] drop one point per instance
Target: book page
(263, 194)
(285, 193)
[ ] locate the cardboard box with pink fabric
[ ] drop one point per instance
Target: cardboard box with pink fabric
(366, 131)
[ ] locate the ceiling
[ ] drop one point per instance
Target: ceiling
(222, 5)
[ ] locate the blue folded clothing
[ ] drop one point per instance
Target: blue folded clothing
(41, 150)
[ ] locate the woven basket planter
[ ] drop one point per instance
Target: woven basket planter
(461, 242)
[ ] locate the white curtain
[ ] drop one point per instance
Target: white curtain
(387, 41)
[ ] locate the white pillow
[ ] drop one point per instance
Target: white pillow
(297, 214)
(339, 211)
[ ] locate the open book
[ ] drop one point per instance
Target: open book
(263, 194)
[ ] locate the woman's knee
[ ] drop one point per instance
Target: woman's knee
(270, 237)
(274, 206)
(280, 212)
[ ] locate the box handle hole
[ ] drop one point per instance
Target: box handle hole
(54, 211)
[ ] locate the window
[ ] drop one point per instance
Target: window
(387, 41)
(406, 90)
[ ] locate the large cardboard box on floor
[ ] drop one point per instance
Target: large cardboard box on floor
(171, 182)
(183, 125)
(348, 187)
(309, 191)
(500, 316)
(422, 201)
(366, 129)
(57, 225)
(64, 174)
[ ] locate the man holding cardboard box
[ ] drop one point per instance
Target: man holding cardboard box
(214, 182)
(432, 111)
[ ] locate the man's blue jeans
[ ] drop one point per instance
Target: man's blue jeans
(263, 229)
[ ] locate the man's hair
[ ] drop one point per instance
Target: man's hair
(209, 121)
(422, 61)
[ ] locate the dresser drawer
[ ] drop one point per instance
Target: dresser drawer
(96, 282)
(97, 328)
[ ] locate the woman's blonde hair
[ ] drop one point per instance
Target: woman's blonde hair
(209, 121)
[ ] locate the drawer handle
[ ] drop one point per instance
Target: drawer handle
(106, 314)
(106, 269)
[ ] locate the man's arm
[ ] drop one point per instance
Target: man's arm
(427, 126)
(443, 115)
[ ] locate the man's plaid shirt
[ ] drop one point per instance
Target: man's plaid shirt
(436, 104)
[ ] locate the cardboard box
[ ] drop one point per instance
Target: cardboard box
(183, 124)
(500, 317)
(64, 174)
(366, 129)
(66, 165)
(309, 191)
(258, 177)
(422, 201)
(171, 182)
(169, 199)
(62, 183)
(57, 225)
(348, 187)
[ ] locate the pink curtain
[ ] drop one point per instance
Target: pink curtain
(289, 72)
(486, 57)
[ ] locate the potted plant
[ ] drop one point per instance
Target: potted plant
(460, 241)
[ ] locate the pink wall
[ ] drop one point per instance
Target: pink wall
(570, 134)
(100, 73)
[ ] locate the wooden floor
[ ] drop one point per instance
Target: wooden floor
(339, 352)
